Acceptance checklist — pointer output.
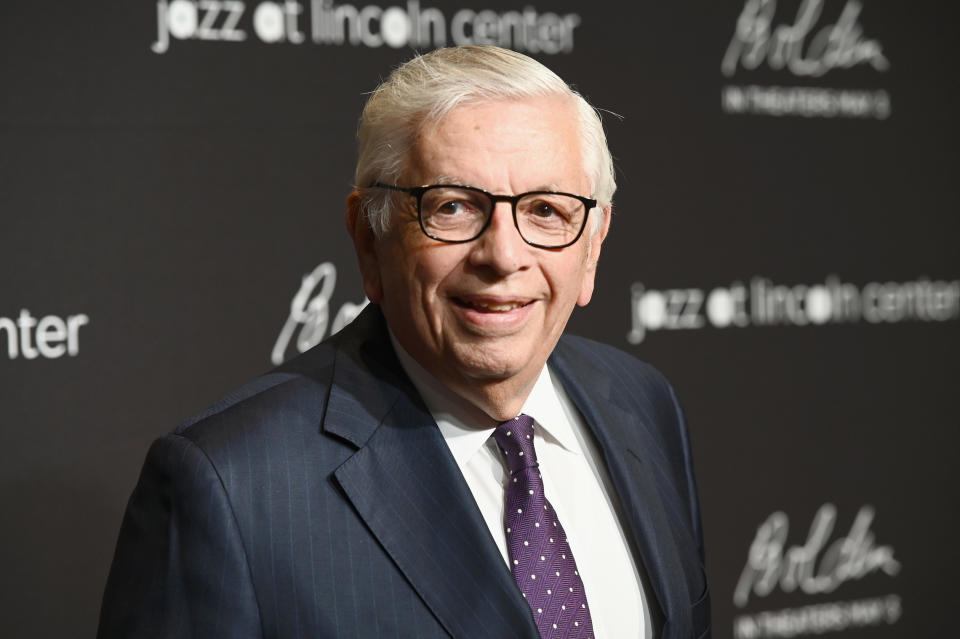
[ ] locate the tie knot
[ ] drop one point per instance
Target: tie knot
(515, 438)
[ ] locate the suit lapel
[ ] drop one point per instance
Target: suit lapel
(630, 454)
(406, 486)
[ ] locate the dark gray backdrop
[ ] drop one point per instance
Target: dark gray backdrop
(784, 243)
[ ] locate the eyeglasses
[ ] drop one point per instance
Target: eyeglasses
(456, 214)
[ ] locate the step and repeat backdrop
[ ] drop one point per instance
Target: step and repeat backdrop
(784, 247)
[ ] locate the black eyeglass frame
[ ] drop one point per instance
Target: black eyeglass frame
(418, 191)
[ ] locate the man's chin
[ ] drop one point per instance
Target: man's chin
(489, 364)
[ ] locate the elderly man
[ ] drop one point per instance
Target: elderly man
(449, 464)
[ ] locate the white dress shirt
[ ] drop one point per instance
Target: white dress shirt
(575, 482)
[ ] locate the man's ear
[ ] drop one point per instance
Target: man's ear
(364, 243)
(593, 256)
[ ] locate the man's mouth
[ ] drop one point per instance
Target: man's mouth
(489, 306)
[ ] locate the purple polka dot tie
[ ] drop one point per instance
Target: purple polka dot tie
(540, 556)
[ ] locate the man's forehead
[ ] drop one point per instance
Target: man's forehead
(528, 144)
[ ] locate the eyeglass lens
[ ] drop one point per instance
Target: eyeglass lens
(459, 214)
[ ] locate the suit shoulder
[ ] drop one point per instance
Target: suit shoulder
(292, 393)
(617, 362)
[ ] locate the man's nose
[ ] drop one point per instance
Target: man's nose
(500, 247)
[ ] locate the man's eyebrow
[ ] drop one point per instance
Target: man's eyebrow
(548, 187)
(446, 180)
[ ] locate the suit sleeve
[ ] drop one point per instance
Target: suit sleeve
(180, 569)
(691, 484)
(699, 610)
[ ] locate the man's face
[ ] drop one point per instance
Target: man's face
(490, 310)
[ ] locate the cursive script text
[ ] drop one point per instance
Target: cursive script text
(815, 567)
(796, 46)
(313, 314)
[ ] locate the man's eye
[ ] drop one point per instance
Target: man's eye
(452, 207)
(548, 211)
(544, 209)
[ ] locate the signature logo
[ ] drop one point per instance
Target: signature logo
(800, 47)
(312, 314)
(816, 566)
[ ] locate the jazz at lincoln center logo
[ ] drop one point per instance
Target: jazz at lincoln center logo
(321, 22)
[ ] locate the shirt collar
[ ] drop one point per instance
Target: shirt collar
(548, 405)
(466, 428)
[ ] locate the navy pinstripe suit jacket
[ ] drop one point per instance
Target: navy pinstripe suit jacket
(321, 501)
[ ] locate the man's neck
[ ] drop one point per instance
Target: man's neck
(498, 399)
(501, 399)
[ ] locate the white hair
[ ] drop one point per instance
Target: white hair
(428, 87)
